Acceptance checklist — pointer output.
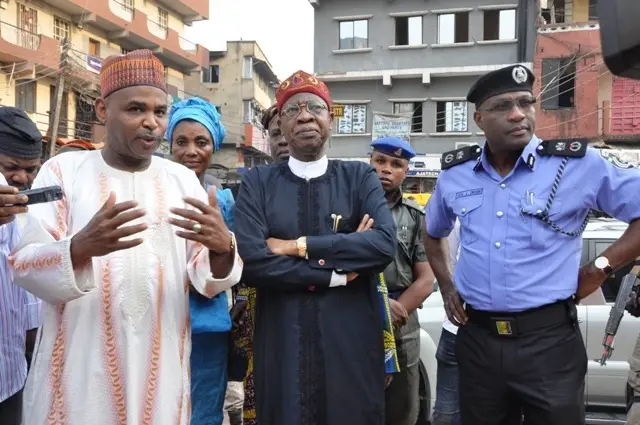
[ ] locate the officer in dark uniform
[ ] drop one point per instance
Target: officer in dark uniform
(523, 204)
(409, 278)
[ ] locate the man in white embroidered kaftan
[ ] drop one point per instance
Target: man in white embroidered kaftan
(113, 261)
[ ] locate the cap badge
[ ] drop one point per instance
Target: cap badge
(398, 152)
(519, 75)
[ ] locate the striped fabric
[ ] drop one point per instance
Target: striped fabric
(19, 312)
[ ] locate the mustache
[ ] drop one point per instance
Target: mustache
(148, 136)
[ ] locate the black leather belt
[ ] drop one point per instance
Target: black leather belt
(514, 324)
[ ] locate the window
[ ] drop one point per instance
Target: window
(555, 12)
(28, 23)
(247, 68)
(60, 29)
(415, 110)
(94, 48)
(247, 112)
(500, 24)
(127, 5)
(593, 10)
(26, 96)
(354, 34)
(211, 74)
(163, 18)
(409, 31)
(85, 117)
(558, 83)
(451, 117)
(453, 28)
(354, 120)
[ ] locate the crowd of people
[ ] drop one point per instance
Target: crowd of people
(158, 298)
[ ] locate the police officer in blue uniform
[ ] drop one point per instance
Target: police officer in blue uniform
(523, 204)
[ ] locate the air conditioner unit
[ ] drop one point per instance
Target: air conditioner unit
(25, 72)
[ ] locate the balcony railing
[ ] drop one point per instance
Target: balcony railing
(187, 45)
(157, 29)
(19, 36)
(122, 10)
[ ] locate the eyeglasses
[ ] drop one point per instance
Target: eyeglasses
(506, 106)
(313, 106)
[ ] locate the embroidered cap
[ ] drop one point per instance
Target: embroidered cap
(394, 146)
(302, 82)
(136, 68)
(504, 80)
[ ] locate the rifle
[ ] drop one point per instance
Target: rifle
(629, 283)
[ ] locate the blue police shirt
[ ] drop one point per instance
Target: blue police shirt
(510, 261)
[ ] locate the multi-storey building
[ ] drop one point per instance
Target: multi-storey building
(241, 82)
(416, 58)
(32, 33)
(580, 97)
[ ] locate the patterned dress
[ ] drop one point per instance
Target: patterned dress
(243, 337)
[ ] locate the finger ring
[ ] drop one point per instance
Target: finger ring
(197, 227)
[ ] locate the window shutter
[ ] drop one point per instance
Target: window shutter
(550, 83)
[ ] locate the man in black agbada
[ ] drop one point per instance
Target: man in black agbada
(318, 350)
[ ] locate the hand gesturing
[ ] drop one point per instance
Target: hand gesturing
(104, 233)
(206, 226)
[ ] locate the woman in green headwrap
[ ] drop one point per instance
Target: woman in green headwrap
(195, 134)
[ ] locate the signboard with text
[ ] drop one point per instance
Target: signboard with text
(385, 125)
(338, 111)
(424, 173)
(94, 64)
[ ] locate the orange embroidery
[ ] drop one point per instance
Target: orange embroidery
(196, 256)
(154, 365)
(110, 349)
(37, 264)
(61, 205)
(56, 409)
(185, 332)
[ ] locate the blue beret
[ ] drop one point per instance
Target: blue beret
(394, 146)
(504, 80)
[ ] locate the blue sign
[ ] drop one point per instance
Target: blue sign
(94, 64)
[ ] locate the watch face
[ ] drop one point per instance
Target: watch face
(601, 263)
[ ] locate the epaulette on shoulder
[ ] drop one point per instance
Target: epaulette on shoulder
(460, 156)
(575, 148)
(413, 204)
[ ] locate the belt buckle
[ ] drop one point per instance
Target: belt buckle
(505, 326)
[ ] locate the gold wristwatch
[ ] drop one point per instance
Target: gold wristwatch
(301, 244)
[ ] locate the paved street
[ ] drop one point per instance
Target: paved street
(592, 419)
(605, 419)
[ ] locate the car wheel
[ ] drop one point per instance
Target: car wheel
(425, 397)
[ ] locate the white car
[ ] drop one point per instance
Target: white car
(605, 385)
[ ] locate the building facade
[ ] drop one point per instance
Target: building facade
(579, 95)
(241, 82)
(33, 34)
(415, 58)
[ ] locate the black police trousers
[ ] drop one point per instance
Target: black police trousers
(538, 375)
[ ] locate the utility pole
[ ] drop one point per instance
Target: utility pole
(54, 116)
